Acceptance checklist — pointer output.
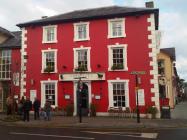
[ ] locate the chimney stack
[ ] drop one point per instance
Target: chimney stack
(149, 4)
(44, 17)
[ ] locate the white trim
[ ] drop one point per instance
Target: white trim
(110, 56)
(76, 57)
(110, 35)
(23, 62)
(110, 94)
(76, 31)
(153, 63)
(43, 59)
(75, 95)
(44, 35)
(43, 100)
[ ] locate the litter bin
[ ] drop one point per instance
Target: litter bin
(165, 112)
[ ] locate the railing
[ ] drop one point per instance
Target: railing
(119, 112)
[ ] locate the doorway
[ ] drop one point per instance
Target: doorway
(84, 99)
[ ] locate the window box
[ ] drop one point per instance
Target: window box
(49, 69)
(81, 68)
(117, 67)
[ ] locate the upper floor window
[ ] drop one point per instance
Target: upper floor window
(5, 64)
(81, 31)
(82, 59)
(116, 28)
(50, 34)
(117, 57)
(161, 69)
(49, 61)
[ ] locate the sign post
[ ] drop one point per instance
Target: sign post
(137, 84)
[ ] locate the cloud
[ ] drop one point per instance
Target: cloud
(173, 25)
(14, 12)
(173, 21)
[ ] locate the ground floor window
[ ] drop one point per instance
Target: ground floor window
(118, 93)
(49, 92)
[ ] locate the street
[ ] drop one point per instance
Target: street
(22, 133)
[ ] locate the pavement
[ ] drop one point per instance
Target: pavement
(178, 120)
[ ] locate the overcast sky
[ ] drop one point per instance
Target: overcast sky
(173, 18)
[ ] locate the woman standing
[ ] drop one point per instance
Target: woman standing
(47, 109)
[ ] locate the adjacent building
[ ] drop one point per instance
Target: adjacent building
(167, 75)
(10, 62)
(101, 47)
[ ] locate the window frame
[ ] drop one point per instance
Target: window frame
(110, 56)
(76, 57)
(76, 34)
(45, 34)
(111, 95)
(44, 60)
(2, 57)
(110, 27)
(43, 95)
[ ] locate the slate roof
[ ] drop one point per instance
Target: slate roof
(170, 52)
(12, 42)
(5, 31)
(95, 13)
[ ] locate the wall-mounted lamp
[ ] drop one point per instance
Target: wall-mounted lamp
(98, 65)
(64, 67)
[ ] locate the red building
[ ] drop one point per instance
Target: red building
(102, 46)
(10, 62)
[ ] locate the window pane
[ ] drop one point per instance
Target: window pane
(119, 94)
(5, 62)
(50, 33)
(50, 92)
(118, 59)
(117, 28)
(82, 59)
(50, 61)
(81, 29)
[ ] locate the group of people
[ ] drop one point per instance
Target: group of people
(25, 106)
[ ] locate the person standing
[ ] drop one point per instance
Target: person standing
(9, 103)
(27, 106)
(21, 103)
(47, 109)
(36, 107)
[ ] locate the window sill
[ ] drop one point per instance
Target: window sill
(110, 37)
(89, 70)
(49, 42)
(48, 72)
(118, 70)
(86, 39)
(5, 79)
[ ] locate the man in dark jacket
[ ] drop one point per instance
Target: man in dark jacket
(36, 106)
(27, 106)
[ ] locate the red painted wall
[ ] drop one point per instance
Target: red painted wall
(16, 67)
(137, 58)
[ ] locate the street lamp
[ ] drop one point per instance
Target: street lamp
(137, 82)
(79, 88)
(137, 101)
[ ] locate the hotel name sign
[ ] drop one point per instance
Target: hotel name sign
(86, 76)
